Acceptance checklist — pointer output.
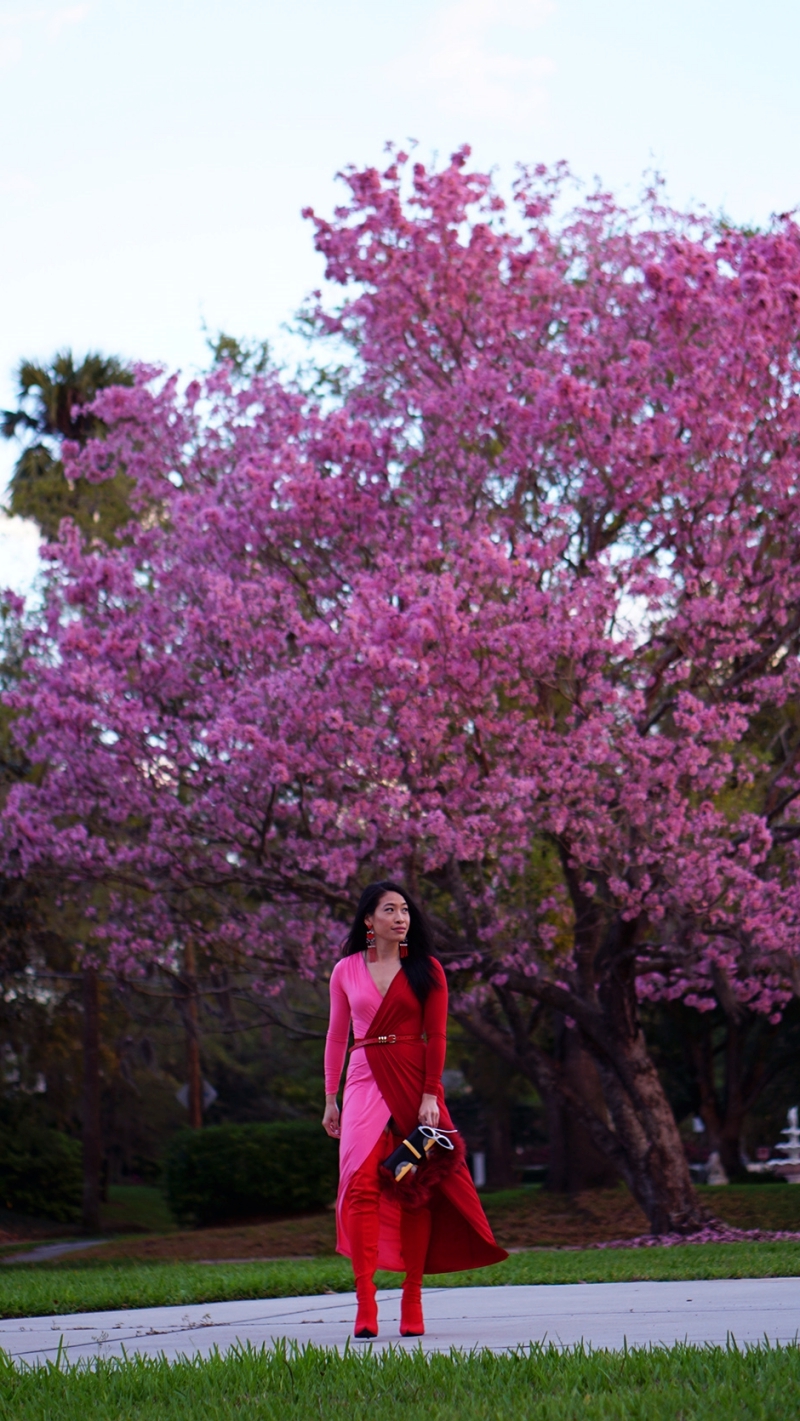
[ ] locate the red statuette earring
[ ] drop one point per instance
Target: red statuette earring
(404, 948)
(372, 951)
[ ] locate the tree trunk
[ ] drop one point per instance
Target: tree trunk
(723, 1114)
(656, 1169)
(193, 1069)
(730, 1142)
(636, 1130)
(655, 1166)
(500, 1162)
(634, 1127)
(558, 1161)
(575, 1161)
(91, 1101)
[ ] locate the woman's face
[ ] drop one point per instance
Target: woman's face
(390, 920)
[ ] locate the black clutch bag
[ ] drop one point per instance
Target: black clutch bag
(415, 1151)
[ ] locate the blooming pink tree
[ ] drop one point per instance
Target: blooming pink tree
(514, 615)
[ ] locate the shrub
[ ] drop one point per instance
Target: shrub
(239, 1171)
(41, 1172)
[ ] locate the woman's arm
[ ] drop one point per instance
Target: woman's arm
(335, 1051)
(434, 1021)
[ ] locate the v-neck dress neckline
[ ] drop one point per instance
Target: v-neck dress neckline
(381, 996)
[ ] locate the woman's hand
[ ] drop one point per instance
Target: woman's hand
(429, 1111)
(330, 1120)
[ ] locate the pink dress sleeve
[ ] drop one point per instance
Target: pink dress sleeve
(338, 1033)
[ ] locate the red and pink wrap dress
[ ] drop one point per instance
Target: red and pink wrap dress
(388, 1081)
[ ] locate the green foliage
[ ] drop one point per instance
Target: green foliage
(241, 1171)
(539, 1383)
(245, 358)
(39, 490)
(52, 408)
(40, 1172)
(12, 633)
(32, 1290)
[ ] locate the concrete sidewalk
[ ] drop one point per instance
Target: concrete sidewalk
(608, 1315)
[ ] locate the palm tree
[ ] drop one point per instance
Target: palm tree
(53, 401)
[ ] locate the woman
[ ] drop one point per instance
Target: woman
(393, 990)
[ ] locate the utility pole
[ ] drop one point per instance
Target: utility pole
(194, 1074)
(91, 1100)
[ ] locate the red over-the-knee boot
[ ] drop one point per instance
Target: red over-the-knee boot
(364, 1225)
(364, 1265)
(415, 1232)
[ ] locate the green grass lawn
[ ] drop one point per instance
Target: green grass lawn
(541, 1384)
(136, 1207)
(38, 1289)
(132, 1209)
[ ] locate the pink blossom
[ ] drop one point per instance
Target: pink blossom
(392, 631)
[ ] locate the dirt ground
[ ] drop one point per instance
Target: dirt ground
(527, 1218)
(521, 1218)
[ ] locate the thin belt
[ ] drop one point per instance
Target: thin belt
(383, 1040)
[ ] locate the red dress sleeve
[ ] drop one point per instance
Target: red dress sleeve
(338, 1035)
(434, 1024)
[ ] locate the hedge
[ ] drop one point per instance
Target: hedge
(226, 1172)
(41, 1173)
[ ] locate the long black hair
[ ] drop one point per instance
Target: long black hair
(417, 965)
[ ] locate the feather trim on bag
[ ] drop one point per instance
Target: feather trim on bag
(414, 1191)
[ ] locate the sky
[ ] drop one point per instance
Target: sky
(155, 157)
